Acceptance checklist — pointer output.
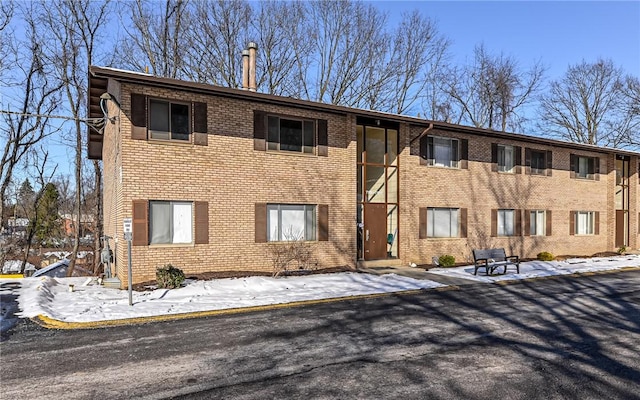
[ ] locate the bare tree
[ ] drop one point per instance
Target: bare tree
(73, 26)
(490, 92)
(155, 37)
(31, 97)
(593, 103)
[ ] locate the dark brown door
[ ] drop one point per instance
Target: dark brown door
(620, 228)
(375, 231)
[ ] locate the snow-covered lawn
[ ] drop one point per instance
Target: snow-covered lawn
(89, 302)
(51, 296)
(535, 269)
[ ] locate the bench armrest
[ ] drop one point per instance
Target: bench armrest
(517, 258)
(481, 261)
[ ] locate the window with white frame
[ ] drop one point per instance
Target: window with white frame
(170, 222)
(169, 120)
(286, 134)
(443, 222)
(537, 222)
(443, 152)
(585, 167)
(506, 222)
(506, 158)
(585, 222)
(290, 222)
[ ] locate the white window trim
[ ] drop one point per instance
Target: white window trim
(588, 230)
(453, 228)
(453, 144)
(502, 227)
(277, 233)
(533, 222)
(182, 236)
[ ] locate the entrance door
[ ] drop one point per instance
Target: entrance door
(375, 231)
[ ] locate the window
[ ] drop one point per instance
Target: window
(506, 158)
(585, 223)
(289, 222)
(583, 167)
(294, 135)
(538, 162)
(170, 222)
(443, 152)
(506, 222)
(169, 120)
(537, 223)
(442, 222)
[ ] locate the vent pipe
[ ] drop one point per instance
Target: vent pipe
(252, 66)
(245, 69)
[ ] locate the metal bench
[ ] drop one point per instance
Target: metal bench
(492, 259)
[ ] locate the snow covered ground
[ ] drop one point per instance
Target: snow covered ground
(89, 302)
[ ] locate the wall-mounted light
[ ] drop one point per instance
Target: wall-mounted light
(104, 97)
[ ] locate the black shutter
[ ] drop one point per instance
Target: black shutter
(518, 157)
(549, 163)
(138, 116)
(464, 156)
(259, 130)
(494, 157)
(422, 231)
(200, 136)
(323, 138)
(323, 222)
(261, 222)
(572, 165)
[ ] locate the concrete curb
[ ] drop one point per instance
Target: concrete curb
(11, 276)
(51, 323)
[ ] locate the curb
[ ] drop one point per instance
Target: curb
(11, 276)
(51, 323)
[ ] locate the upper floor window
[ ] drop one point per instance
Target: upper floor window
(443, 152)
(288, 134)
(538, 162)
(506, 158)
(169, 120)
(584, 167)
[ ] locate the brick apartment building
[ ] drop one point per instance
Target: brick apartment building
(213, 176)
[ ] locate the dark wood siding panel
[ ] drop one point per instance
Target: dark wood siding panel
(464, 153)
(201, 222)
(549, 222)
(138, 116)
(323, 222)
(422, 230)
(463, 222)
(261, 222)
(323, 138)
(518, 225)
(572, 222)
(200, 130)
(494, 157)
(259, 130)
(140, 219)
(494, 222)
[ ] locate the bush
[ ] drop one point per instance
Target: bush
(169, 277)
(622, 249)
(545, 256)
(447, 261)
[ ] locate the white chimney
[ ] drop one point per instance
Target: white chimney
(252, 66)
(245, 69)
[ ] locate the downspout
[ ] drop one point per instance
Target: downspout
(424, 132)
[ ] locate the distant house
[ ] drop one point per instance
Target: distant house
(17, 226)
(212, 176)
(69, 223)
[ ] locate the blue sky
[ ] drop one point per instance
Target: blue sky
(560, 33)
